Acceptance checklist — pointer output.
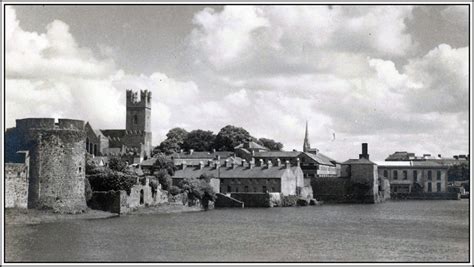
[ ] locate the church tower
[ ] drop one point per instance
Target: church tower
(138, 111)
(306, 145)
(138, 121)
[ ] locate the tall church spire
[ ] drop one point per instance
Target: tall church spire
(306, 145)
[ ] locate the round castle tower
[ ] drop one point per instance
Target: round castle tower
(57, 163)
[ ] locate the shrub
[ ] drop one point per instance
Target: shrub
(198, 188)
(87, 190)
(117, 164)
(112, 180)
(174, 190)
(163, 163)
(164, 179)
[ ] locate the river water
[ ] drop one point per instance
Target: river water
(401, 231)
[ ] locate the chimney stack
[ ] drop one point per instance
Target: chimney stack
(213, 150)
(191, 151)
(364, 154)
(227, 163)
(287, 164)
(218, 164)
(260, 163)
(234, 164)
(278, 162)
(243, 162)
(181, 150)
(298, 162)
(201, 165)
(269, 164)
(183, 165)
(252, 163)
(209, 163)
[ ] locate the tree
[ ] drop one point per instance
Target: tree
(163, 163)
(117, 164)
(173, 142)
(458, 172)
(230, 137)
(198, 189)
(199, 140)
(164, 179)
(271, 144)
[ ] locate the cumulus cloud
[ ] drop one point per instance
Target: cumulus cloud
(267, 69)
(458, 15)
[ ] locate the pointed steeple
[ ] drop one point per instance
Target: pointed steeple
(306, 145)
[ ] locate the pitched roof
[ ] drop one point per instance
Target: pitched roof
(321, 158)
(251, 145)
(201, 155)
(358, 161)
(113, 133)
(237, 172)
(277, 154)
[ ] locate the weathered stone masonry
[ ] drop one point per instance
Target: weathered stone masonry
(57, 162)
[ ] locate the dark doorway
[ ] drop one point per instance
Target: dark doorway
(142, 197)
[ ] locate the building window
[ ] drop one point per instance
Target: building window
(429, 187)
(246, 188)
(405, 175)
(415, 176)
(229, 189)
(135, 119)
(429, 176)
(438, 187)
(264, 189)
(80, 169)
(236, 189)
(385, 173)
(438, 175)
(395, 174)
(273, 189)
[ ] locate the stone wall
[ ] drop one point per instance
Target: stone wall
(58, 170)
(331, 189)
(223, 201)
(253, 199)
(141, 195)
(16, 185)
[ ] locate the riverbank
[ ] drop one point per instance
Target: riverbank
(32, 216)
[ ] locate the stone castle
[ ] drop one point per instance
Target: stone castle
(50, 165)
(45, 158)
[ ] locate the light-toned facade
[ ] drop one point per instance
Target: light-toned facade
(414, 176)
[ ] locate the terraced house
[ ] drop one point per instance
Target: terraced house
(414, 176)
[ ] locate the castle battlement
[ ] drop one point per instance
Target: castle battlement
(49, 124)
(134, 101)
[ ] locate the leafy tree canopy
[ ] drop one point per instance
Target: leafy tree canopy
(199, 140)
(230, 137)
(271, 144)
(163, 163)
(173, 142)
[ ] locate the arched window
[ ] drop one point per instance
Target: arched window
(135, 119)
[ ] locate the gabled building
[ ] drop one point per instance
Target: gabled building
(248, 177)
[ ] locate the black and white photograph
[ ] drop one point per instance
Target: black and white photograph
(236, 133)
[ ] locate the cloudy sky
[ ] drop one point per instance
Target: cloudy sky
(393, 76)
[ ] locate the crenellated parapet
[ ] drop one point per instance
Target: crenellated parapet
(143, 101)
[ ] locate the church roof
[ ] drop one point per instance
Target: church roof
(277, 154)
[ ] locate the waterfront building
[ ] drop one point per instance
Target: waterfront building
(415, 176)
(250, 177)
